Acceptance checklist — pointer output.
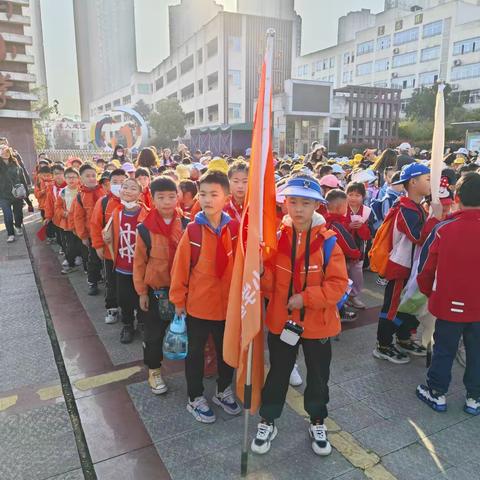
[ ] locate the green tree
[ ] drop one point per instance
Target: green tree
(168, 122)
(45, 111)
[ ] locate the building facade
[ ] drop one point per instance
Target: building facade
(410, 44)
(16, 79)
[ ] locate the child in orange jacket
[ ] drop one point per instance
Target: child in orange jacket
(53, 190)
(238, 178)
(195, 282)
(303, 295)
(157, 240)
(90, 191)
(120, 237)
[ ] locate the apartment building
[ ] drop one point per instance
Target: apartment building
(408, 45)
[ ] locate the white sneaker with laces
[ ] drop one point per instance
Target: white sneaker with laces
(112, 316)
(10, 238)
(472, 406)
(266, 433)
(226, 400)
(320, 444)
(18, 231)
(156, 382)
(78, 261)
(65, 263)
(295, 377)
(200, 410)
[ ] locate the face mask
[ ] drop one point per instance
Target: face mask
(115, 189)
(119, 154)
(129, 205)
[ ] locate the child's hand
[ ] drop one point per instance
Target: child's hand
(107, 236)
(100, 254)
(143, 302)
(355, 225)
(295, 302)
(180, 311)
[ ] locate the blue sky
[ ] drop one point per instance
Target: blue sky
(319, 31)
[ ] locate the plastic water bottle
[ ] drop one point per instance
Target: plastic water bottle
(175, 344)
(344, 299)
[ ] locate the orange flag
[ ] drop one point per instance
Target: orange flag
(257, 233)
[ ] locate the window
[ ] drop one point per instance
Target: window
(410, 35)
(173, 95)
(381, 30)
(347, 76)
(144, 88)
(427, 78)
(187, 93)
(172, 75)
(471, 70)
(318, 65)
(432, 29)
(404, 59)
(200, 115)
(212, 81)
(466, 46)
(186, 65)
(302, 71)
(404, 82)
(212, 47)
(398, 25)
(418, 18)
(108, 107)
(382, 65)
(383, 42)
(200, 86)
(332, 62)
(234, 43)
(117, 102)
(474, 96)
(213, 113)
(190, 118)
(127, 100)
(199, 56)
(346, 58)
(364, 68)
(234, 78)
(381, 84)
(234, 111)
(324, 63)
(430, 53)
(158, 83)
(365, 47)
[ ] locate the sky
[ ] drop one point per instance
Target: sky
(319, 21)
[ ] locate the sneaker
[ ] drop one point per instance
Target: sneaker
(112, 316)
(320, 444)
(127, 333)
(266, 433)
(65, 263)
(356, 303)
(382, 282)
(18, 231)
(66, 270)
(156, 382)
(61, 253)
(200, 410)
(391, 354)
(295, 377)
(472, 406)
(433, 399)
(412, 347)
(226, 400)
(78, 261)
(92, 289)
(10, 238)
(347, 317)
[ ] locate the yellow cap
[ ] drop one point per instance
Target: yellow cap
(459, 160)
(219, 165)
(183, 172)
(357, 158)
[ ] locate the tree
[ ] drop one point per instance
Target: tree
(168, 122)
(142, 108)
(45, 112)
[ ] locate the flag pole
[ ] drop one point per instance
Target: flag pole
(266, 132)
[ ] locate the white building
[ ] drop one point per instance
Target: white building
(410, 44)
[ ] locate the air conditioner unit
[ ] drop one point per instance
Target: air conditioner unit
(457, 62)
(394, 74)
(454, 86)
(396, 51)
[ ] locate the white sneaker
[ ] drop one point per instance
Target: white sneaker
(320, 444)
(265, 435)
(10, 238)
(226, 400)
(65, 263)
(156, 382)
(112, 316)
(78, 261)
(18, 231)
(295, 378)
(472, 406)
(200, 410)
(66, 270)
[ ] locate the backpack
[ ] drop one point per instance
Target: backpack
(383, 243)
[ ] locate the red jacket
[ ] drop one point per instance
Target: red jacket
(338, 223)
(448, 269)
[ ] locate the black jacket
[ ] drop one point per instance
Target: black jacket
(10, 174)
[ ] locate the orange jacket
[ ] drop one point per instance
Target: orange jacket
(154, 270)
(323, 290)
(99, 219)
(40, 191)
(83, 210)
(63, 217)
(116, 226)
(53, 191)
(199, 290)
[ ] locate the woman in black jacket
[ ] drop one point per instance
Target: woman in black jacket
(11, 176)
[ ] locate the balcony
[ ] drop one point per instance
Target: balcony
(17, 19)
(24, 3)
(16, 38)
(19, 58)
(20, 77)
(19, 114)
(21, 96)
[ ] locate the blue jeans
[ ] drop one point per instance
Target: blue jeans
(12, 209)
(447, 336)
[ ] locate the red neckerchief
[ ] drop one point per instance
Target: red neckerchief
(56, 189)
(336, 218)
(236, 209)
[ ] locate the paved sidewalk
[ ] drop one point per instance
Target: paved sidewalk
(377, 426)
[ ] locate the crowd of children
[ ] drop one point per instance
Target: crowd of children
(161, 233)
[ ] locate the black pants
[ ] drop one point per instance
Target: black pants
(110, 285)
(72, 246)
(50, 230)
(153, 334)
(94, 264)
(58, 236)
(127, 298)
(198, 331)
(392, 321)
(318, 354)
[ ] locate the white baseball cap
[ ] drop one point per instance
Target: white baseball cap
(462, 151)
(404, 146)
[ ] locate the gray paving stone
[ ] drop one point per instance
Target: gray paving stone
(72, 475)
(355, 417)
(414, 463)
(468, 471)
(37, 444)
(356, 474)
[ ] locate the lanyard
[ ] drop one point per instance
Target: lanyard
(292, 263)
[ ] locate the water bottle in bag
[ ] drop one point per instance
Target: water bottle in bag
(175, 344)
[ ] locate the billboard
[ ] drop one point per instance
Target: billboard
(310, 98)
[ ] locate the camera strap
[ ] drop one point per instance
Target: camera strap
(293, 262)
